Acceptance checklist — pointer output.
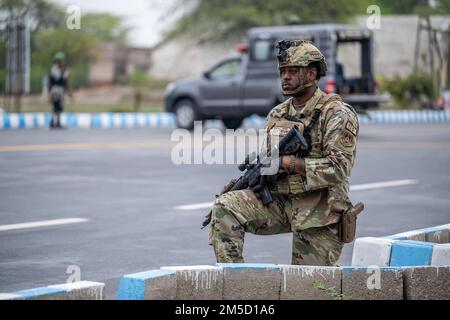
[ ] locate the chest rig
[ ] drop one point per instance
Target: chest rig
(311, 125)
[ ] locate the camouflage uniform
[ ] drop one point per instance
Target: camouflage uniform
(309, 207)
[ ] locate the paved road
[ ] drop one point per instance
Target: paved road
(124, 184)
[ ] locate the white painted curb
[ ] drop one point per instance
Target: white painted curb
(372, 251)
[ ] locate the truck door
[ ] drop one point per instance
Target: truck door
(219, 92)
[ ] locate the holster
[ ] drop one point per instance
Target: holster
(347, 225)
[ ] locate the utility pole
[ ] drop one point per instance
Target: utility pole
(17, 64)
(447, 80)
(448, 59)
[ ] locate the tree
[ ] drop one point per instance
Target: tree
(105, 27)
(50, 35)
(139, 81)
(216, 19)
(80, 48)
(43, 13)
(223, 18)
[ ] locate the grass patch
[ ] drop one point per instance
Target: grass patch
(94, 108)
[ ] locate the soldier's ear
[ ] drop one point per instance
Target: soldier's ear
(312, 73)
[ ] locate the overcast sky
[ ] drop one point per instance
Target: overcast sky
(145, 16)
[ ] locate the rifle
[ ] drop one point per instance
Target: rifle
(252, 177)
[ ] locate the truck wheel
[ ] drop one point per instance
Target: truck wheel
(186, 113)
(232, 123)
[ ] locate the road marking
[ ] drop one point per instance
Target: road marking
(39, 224)
(404, 145)
(358, 187)
(379, 185)
(404, 131)
(86, 146)
(167, 143)
(196, 206)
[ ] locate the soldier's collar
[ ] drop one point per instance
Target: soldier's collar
(307, 110)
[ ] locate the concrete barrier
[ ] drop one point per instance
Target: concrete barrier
(438, 234)
(88, 120)
(393, 267)
(243, 281)
(83, 290)
(427, 283)
(411, 253)
(441, 255)
(417, 235)
(247, 281)
(167, 120)
(149, 285)
(11, 296)
(377, 272)
(372, 251)
(422, 247)
(372, 283)
(198, 282)
(310, 282)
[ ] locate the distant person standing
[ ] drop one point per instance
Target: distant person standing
(58, 84)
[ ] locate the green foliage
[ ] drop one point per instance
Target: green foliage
(80, 49)
(332, 291)
(139, 80)
(50, 35)
(217, 19)
(44, 14)
(413, 6)
(105, 27)
(121, 109)
(37, 75)
(2, 63)
(222, 18)
(410, 90)
(79, 77)
(443, 6)
(2, 78)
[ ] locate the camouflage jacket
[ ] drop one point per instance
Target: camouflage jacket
(319, 198)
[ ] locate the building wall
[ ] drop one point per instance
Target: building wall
(102, 70)
(395, 43)
(116, 61)
(183, 58)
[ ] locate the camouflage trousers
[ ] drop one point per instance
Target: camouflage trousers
(237, 212)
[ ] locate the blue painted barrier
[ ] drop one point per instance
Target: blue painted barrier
(167, 120)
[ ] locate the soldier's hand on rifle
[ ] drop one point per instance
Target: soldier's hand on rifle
(293, 165)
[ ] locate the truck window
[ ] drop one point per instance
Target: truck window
(262, 50)
(353, 75)
(352, 65)
(227, 70)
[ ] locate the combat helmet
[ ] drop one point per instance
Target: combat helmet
(300, 53)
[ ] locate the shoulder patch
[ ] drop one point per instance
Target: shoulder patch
(350, 127)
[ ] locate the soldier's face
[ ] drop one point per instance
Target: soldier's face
(292, 77)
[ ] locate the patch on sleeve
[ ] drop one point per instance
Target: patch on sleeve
(350, 127)
(347, 140)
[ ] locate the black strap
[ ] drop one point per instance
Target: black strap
(308, 129)
(290, 117)
(314, 120)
